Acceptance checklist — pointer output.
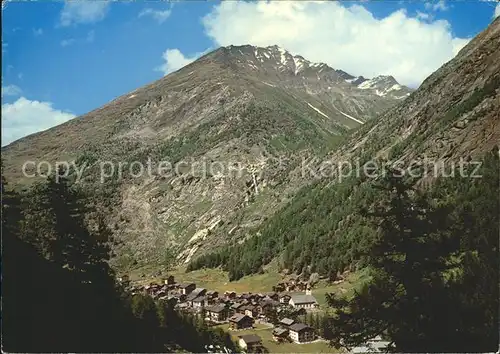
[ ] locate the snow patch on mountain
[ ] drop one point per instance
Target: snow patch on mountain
(283, 55)
(299, 64)
(352, 80)
(317, 110)
(367, 84)
(347, 115)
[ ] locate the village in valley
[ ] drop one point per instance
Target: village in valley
(259, 322)
(275, 310)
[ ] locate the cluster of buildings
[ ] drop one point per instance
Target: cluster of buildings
(239, 310)
(293, 284)
(286, 330)
(374, 345)
(295, 331)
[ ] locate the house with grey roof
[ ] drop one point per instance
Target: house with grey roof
(303, 301)
(187, 288)
(250, 342)
(216, 313)
(199, 302)
(280, 334)
(286, 322)
(240, 321)
(301, 333)
(200, 291)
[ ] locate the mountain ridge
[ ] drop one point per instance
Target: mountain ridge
(218, 108)
(452, 119)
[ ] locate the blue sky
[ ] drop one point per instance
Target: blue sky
(63, 59)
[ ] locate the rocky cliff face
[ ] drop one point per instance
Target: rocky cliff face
(454, 114)
(231, 127)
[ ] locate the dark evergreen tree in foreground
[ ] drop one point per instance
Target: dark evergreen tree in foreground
(58, 292)
(434, 269)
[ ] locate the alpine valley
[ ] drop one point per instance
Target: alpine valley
(237, 123)
(371, 210)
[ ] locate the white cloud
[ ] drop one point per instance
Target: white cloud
(37, 32)
(4, 47)
(436, 6)
(345, 37)
(11, 90)
(497, 11)
(82, 12)
(175, 60)
(157, 15)
(67, 42)
(24, 117)
(423, 16)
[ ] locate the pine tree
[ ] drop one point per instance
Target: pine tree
(407, 263)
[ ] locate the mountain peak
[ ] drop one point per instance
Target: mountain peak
(277, 59)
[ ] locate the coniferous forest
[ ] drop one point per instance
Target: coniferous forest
(432, 254)
(432, 257)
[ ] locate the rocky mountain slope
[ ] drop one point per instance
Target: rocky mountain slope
(452, 120)
(234, 123)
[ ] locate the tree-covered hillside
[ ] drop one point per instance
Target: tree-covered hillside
(323, 229)
(59, 293)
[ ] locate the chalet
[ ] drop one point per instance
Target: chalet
(152, 288)
(222, 300)
(250, 310)
(301, 333)
(180, 297)
(170, 280)
(303, 301)
(200, 291)
(280, 334)
(264, 306)
(212, 294)
(284, 298)
(272, 295)
(161, 293)
(216, 313)
(250, 342)
(235, 308)
(229, 294)
(199, 302)
(270, 301)
(187, 288)
(191, 296)
(239, 321)
(286, 322)
(246, 296)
